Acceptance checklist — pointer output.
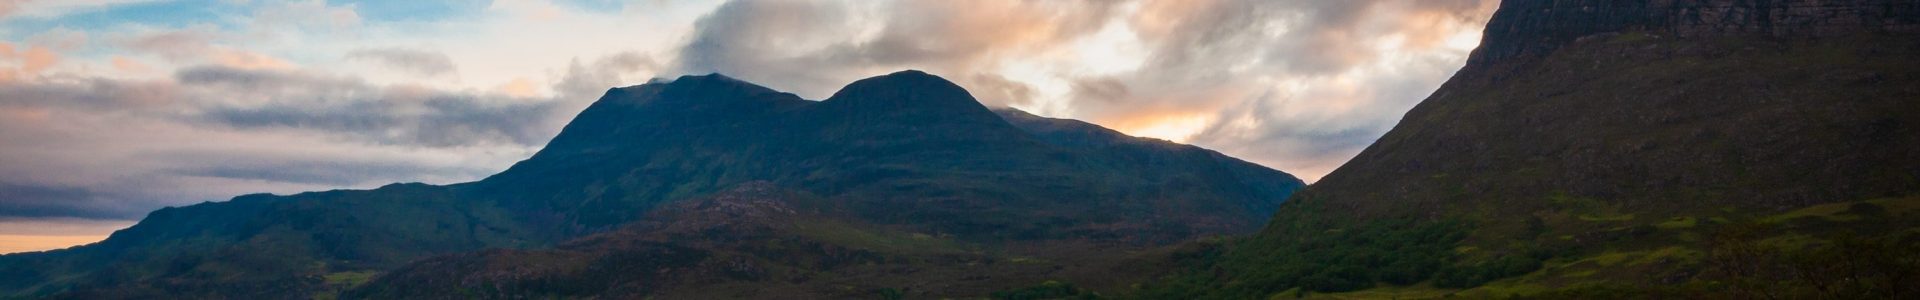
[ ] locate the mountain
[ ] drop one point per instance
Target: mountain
(904, 138)
(1605, 149)
(903, 157)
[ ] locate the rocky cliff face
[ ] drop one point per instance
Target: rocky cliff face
(1539, 26)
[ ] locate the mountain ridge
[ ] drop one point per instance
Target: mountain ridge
(969, 176)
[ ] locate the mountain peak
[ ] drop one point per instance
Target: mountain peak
(906, 90)
(705, 79)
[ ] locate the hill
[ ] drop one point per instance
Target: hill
(1624, 149)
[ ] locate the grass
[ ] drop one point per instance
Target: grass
(1607, 259)
(1606, 217)
(1678, 246)
(340, 281)
(1587, 209)
(350, 279)
(1578, 274)
(1678, 223)
(1388, 292)
(878, 240)
(1675, 253)
(1505, 288)
(1848, 211)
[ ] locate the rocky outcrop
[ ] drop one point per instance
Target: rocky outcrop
(1524, 27)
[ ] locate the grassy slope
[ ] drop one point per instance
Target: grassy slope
(1613, 163)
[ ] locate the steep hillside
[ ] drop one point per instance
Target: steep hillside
(905, 153)
(1595, 147)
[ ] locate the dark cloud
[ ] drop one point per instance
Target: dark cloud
(437, 120)
(29, 200)
(418, 62)
(397, 115)
(1100, 90)
(211, 132)
(758, 41)
(300, 170)
(587, 81)
(993, 88)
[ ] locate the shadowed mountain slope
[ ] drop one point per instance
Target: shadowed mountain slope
(1627, 147)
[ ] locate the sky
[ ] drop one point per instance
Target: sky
(110, 109)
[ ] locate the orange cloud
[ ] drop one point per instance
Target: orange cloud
(31, 61)
(1176, 127)
(1429, 27)
(249, 60)
(1162, 17)
(520, 87)
(27, 114)
(124, 64)
(38, 59)
(7, 7)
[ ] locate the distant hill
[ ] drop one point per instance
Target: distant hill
(1624, 149)
(905, 154)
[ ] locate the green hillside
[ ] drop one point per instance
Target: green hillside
(1621, 150)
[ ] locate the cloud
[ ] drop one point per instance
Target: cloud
(97, 147)
(182, 44)
(588, 81)
(59, 227)
(268, 101)
(36, 200)
(814, 47)
(7, 7)
(418, 62)
(280, 17)
(56, 8)
(120, 118)
(200, 45)
(347, 106)
(1297, 85)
